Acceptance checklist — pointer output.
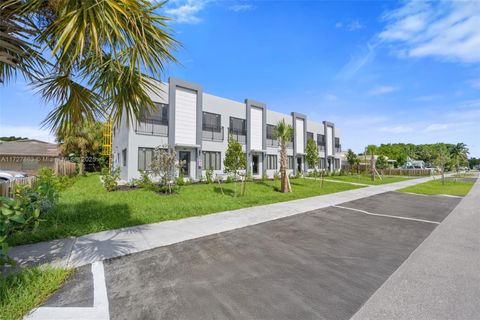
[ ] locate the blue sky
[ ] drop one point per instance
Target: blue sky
(382, 71)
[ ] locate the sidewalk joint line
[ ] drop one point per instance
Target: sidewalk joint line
(386, 215)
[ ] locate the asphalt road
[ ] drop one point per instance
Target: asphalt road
(323, 264)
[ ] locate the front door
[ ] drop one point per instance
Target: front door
(255, 164)
(299, 164)
(184, 156)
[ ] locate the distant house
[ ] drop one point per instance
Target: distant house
(28, 155)
(414, 164)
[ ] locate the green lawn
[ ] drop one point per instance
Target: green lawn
(455, 188)
(86, 207)
(21, 292)
(368, 179)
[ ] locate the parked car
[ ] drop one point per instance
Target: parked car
(11, 175)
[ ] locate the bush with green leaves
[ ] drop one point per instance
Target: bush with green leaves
(264, 176)
(145, 181)
(16, 215)
(110, 179)
(229, 179)
(209, 175)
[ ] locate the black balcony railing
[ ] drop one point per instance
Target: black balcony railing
(212, 135)
(338, 148)
(152, 127)
(321, 147)
(240, 137)
(272, 143)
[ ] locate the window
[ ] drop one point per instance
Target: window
(337, 142)
(271, 134)
(212, 122)
(271, 162)
(212, 160)
(322, 163)
(321, 139)
(159, 115)
(290, 162)
(238, 126)
(337, 164)
(309, 135)
(124, 157)
(145, 156)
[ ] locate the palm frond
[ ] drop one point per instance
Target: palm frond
(76, 103)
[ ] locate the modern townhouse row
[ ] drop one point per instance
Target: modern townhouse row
(198, 125)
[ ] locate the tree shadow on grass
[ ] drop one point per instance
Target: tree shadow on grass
(226, 191)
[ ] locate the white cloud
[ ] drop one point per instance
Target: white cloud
(330, 97)
(397, 129)
(356, 62)
(361, 120)
(240, 7)
(354, 25)
(186, 11)
(338, 24)
(26, 131)
(426, 98)
(475, 83)
(444, 29)
(382, 90)
(436, 127)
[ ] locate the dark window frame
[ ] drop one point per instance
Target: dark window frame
(144, 165)
(208, 126)
(233, 129)
(272, 162)
(217, 160)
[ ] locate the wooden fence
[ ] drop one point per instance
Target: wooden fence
(389, 171)
(7, 188)
(64, 167)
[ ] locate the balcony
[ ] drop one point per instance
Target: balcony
(321, 147)
(152, 127)
(338, 148)
(212, 135)
(272, 143)
(240, 137)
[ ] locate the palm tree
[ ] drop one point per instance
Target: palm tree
(284, 133)
(81, 139)
(89, 58)
(459, 155)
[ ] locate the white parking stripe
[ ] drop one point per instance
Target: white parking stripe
(386, 215)
(434, 195)
(100, 303)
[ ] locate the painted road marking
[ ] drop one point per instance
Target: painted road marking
(100, 303)
(434, 195)
(386, 215)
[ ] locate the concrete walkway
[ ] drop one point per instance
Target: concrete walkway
(441, 278)
(79, 251)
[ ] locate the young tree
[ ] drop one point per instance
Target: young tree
(81, 139)
(381, 163)
(441, 158)
(371, 150)
(311, 155)
(284, 133)
(352, 159)
(459, 155)
(87, 57)
(235, 159)
(164, 166)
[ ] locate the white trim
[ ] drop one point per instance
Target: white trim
(386, 215)
(100, 303)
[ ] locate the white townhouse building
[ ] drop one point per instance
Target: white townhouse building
(198, 125)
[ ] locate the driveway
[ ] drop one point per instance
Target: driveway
(323, 264)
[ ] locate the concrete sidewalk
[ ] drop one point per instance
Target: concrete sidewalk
(441, 279)
(75, 252)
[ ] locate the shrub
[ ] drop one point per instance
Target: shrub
(110, 179)
(17, 215)
(264, 176)
(145, 181)
(44, 191)
(229, 179)
(180, 180)
(209, 175)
